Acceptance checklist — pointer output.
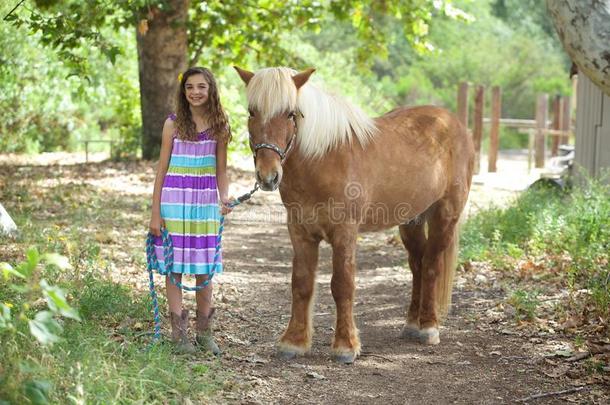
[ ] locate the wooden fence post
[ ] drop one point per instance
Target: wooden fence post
(566, 122)
(494, 133)
(541, 119)
(479, 99)
(557, 122)
(462, 103)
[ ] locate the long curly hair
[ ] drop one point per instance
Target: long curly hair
(220, 129)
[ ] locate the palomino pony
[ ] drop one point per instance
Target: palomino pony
(339, 173)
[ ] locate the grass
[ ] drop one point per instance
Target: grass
(104, 357)
(566, 233)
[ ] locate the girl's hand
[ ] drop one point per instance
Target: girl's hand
(224, 206)
(156, 224)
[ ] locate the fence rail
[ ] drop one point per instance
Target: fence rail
(559, 126)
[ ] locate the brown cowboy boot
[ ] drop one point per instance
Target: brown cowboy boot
(204, 333)
(179, 332)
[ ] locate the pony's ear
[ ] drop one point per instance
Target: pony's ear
(244, 74)
(301, 78)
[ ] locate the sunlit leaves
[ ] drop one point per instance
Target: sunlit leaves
(56, 299)
(44, 326)
(230, 30)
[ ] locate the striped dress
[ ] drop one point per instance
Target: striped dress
(189, 206)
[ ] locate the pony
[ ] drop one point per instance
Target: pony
(340, 172)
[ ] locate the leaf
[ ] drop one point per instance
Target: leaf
(143, 27)
(56, 298)
(5, 316)
(21, 289)
(57, 260)
(45, 328)
(563, 353)
(314, 375)
(33, 258)
(37, 391)
(24, 268)
(7, 270)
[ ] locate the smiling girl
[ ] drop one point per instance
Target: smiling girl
(191, 179)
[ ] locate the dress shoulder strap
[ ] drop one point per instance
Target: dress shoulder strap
(172, 116)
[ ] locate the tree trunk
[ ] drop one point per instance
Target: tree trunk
(162, 55)
(583, 27)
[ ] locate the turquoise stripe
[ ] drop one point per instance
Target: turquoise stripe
(199, 161)
(190, 212)
(191, 268)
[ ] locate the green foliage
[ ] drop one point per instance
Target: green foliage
(531, 15)
(379, 54)
(36, 115)
(573, 227)
(86, 365)
(485, 51)
(44, 325)
(525, 304)
(226, 30)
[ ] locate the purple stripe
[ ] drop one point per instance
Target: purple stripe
(183, 181)
(192, 242)
(199, 256)
(209, 196)
(194, 149)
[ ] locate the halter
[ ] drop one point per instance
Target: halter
(282, 153)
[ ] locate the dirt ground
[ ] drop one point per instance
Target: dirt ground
(484, 357)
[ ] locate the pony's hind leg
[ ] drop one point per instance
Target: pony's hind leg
(346, 343)
(296, 340)
(413, 236)
(438, 265)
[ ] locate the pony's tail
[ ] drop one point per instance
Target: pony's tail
(444, 281)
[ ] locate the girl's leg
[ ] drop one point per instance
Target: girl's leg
(174, 294)
(204, 296)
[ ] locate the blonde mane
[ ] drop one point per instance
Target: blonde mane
(328, 120)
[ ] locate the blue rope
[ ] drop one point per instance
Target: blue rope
(152, 263)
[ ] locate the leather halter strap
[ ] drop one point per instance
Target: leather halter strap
(282, 153)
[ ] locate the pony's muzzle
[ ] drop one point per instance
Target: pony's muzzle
(269, 181)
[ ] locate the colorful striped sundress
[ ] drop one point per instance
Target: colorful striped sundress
(189, 206)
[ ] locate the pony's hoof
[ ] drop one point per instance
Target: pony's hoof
(410, 332)
(287, 355)
(345, 358)
(429, 336)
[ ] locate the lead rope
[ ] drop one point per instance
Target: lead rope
(152, 263)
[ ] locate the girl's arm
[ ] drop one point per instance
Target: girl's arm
(156, 223)
(221, 175)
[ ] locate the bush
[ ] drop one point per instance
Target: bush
(570, 229)
(32, 322)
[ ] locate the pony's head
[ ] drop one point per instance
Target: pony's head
(274, 119)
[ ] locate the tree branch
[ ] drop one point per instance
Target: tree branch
(14, 8)
(551, 394)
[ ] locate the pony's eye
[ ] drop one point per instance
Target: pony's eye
(291, 114)
(251, 113)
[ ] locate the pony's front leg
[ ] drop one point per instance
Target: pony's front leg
(346, 343)
(296, 340)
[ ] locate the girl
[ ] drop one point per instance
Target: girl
(191, 177)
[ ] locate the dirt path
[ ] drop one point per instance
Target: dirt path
(483, 358)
